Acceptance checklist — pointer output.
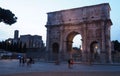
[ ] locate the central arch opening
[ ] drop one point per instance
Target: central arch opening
(77, 41)
(77, 48)
(74, 45)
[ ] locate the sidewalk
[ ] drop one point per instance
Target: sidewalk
(12, 68)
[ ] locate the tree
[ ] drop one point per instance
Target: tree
(116, 45)
(7, 17)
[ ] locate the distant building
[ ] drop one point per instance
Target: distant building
(32, 41)
(16, 34)
(16, 38)
(10, 40)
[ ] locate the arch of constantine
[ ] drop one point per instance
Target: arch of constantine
(93, 23)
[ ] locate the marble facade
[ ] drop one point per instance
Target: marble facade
(93, 23)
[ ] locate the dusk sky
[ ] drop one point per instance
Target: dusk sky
(32, 15)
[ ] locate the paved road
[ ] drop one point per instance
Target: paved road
(12, 68)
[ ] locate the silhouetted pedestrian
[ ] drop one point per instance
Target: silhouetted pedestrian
(23, 61)
(29, 61)
(20, 61)
(70, 63)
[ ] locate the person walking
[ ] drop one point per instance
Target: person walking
(23, 61)
(20, 61)
(70, 63)
(29, 61)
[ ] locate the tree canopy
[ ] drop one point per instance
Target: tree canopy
(7, 17)
(116, 45)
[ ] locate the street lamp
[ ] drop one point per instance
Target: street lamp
(96, 47)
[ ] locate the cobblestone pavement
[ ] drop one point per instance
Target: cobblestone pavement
(12, 68)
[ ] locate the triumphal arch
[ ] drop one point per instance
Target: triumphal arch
(93, 23)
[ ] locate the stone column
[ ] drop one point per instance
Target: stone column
(103, 51)
(84, 54)
(61, 56)
(48, 49)
(108, 43)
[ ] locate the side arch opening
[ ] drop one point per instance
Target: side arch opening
(95, 51)
(55, 52)
(55, 48)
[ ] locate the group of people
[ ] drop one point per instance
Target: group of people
(28, 61)
(25, 61)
